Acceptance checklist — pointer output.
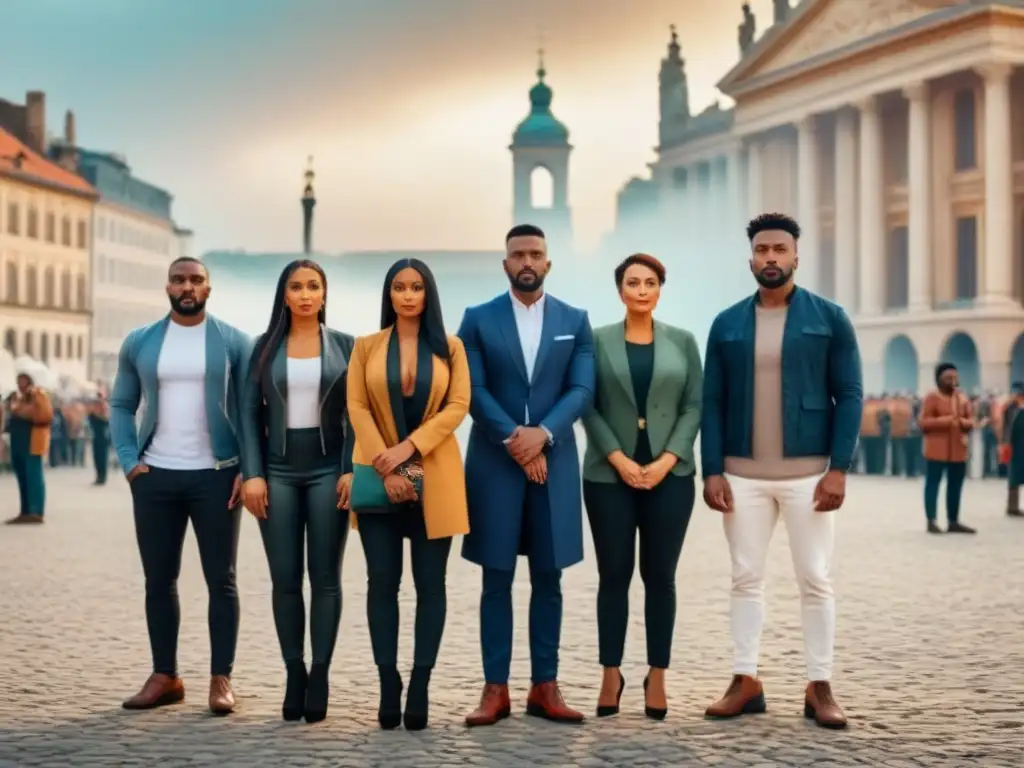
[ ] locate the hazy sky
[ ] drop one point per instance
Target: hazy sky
(407, 105)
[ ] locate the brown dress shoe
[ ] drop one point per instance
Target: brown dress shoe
(494, 706)
(545, 700)
(820, 706)
(222, 698)
(745, 696)
(158, 691)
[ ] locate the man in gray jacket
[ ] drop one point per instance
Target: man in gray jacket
(182, 464)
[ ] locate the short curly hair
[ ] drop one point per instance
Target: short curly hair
(769, 221)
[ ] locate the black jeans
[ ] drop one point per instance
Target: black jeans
(164, 501)
(303, 512)
(955, 472)
(382, 534)
(661, 516)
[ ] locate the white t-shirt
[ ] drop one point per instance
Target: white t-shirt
(303, 392)
(182, 436)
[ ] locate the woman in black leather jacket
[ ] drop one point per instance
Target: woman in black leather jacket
(297, 465)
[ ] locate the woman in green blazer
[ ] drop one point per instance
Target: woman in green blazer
(638, 473)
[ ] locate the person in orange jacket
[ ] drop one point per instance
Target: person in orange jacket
(30, 416)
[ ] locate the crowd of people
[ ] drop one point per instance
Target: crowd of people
(314, 432)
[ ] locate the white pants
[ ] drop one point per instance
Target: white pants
(757, 505)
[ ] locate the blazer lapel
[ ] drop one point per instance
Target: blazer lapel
(278, 372)
(216, 369)
(666, 356)
(507, 325)
(332, 365)
(549, 325)
(149, 357)
(620, 360)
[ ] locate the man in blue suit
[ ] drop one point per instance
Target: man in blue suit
(531, 360)
(182, 462)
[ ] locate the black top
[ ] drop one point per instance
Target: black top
(408, 410)
(641, 371)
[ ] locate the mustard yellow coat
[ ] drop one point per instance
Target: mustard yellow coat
(369, 410)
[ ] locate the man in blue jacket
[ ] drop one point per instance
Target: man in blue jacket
(531, 361)
(782, 411)
(182, 464)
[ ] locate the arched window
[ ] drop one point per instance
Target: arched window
(65, 231)
(65, 289)
(31, 286)
(965, 126)
(58, 343)
(11, 342)
(49, 288)
(30, 344)
(542, 188)
(12, 283)
(44, 347)
(83, 294)
(81, 347)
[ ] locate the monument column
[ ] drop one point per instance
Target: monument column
(872, 209)
(846, 238)
(919, 193)
(997, 283)
(755, 178)
(808, 202)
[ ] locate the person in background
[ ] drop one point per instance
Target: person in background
(638, 474)
(409, 390)
(946, 421)
(99, 425)
(58, 450)
(872, 440)
(29, 422)
(1012, 448)
(900, 417)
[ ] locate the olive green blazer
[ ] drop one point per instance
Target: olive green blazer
(673, 402)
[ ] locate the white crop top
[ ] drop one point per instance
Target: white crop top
(303, 392)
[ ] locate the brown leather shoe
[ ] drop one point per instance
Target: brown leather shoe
(494, 706)
(820, 706)
(158, 691)
(745, 696)
(222, 698)
(545, 700)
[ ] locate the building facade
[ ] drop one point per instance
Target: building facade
(893, 130)
(45, 236)
(134, 241)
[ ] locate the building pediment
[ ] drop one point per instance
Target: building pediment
(818, 28)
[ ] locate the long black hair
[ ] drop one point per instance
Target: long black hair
(281, 317)
(431, 322)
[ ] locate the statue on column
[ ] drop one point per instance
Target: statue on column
(747, 30)
(781, 11)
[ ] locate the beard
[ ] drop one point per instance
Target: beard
(778, 280)
(191, 310)
(526, 286)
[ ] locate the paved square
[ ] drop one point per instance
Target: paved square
(930, 656)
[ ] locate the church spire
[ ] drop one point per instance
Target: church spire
(308, 203)
(673, 90)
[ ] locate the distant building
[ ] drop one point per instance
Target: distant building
(45, 234)
(894, 133)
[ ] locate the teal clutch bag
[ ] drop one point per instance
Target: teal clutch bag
(367, 489)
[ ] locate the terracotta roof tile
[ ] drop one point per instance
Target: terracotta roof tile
(35, 167)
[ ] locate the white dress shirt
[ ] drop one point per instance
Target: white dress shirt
(530, 327)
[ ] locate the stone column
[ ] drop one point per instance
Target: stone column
(997, 282)
(846, 210)
(808, 202)
(872, 209)
(755, 178)
(919, 192)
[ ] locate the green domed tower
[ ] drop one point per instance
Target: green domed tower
(540, 144)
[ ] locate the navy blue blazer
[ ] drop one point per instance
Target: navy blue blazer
(822, 385)
(559, 392)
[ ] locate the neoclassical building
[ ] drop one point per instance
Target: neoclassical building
(893, 130)
(45, 237)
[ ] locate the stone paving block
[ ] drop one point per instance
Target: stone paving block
(929, 663)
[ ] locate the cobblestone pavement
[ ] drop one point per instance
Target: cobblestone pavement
(930, 663)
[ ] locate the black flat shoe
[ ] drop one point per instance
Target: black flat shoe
(609, 710)
(389, 713)
(295, 691)
(655, 713)
(317, 693)
(417, 701)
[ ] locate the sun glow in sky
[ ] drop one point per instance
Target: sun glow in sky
(407, 106)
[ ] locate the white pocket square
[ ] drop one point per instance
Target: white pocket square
(567, 337)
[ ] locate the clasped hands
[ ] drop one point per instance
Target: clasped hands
(526, 446)
(397, 488)
(642, 478)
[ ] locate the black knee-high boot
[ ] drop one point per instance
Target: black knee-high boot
(295, 691)
(417, 702)
(317, 693)
(389, 713)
